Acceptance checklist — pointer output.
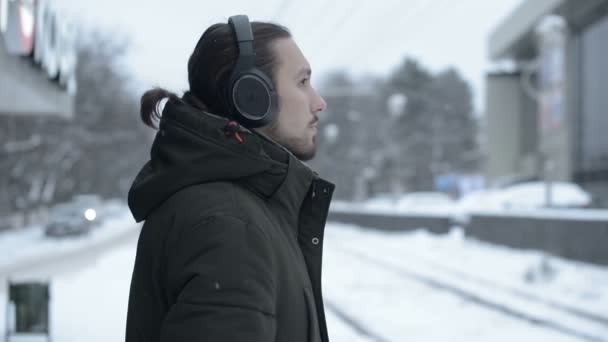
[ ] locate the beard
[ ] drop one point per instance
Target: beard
(301, 148)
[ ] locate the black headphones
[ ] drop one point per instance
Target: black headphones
(251, 95)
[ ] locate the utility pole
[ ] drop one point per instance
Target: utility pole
(551, 41)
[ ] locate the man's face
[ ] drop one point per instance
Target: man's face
(299, 102)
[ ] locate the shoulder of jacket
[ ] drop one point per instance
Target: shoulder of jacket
(196, 202)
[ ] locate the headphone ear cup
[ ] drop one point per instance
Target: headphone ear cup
(254, 99)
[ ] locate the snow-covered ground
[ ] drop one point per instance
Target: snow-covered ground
(378, 286)
(569, 202)
(461, 213)
(25, 248)
(420, 286)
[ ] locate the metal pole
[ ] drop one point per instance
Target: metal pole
(548, 168)
(551, 42)
(8, 303)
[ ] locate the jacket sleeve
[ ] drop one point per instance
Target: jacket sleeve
(221, 275)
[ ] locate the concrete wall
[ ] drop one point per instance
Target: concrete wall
(511, 129)
(577, 239)
(568, 237)
(435, 224)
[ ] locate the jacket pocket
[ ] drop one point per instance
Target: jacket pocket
(314, 334)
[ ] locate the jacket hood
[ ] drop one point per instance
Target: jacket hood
(193, 147)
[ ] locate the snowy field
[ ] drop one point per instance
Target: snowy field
(378, 287)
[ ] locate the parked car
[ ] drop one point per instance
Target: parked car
(76, 217)
(91, 205)
(112, 208)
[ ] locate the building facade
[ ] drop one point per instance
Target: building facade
(37, 59)
(547, 111)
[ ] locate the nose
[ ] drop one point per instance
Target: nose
(319, 103)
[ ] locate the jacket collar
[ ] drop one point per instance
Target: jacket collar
(191, 147)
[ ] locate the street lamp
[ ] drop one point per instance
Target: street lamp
(396, 104)
(331, 133)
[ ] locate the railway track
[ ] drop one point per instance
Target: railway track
(514, 303)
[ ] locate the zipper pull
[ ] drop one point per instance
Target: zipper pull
(314, 190)
(232, 128)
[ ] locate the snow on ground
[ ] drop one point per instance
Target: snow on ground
(569, 202)
(568, 282)
(405, 307)
(89, 302)
(392, 209)
(402, 310)
(94, 299)
(29, 245)
(461, 212)
(378, 286)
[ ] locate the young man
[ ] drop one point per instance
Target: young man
(232, 242)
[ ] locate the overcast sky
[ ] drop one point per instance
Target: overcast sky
(359, 36)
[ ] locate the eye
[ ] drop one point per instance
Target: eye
(305, 81)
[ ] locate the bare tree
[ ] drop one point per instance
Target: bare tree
(47, 160)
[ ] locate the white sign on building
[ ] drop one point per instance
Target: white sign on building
(36, 29)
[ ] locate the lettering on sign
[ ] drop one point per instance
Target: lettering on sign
(33, 28)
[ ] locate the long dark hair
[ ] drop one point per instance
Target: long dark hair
(209, 68)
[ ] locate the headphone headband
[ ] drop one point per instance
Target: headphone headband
(244, 37)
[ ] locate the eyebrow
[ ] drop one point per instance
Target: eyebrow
(304, 71)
